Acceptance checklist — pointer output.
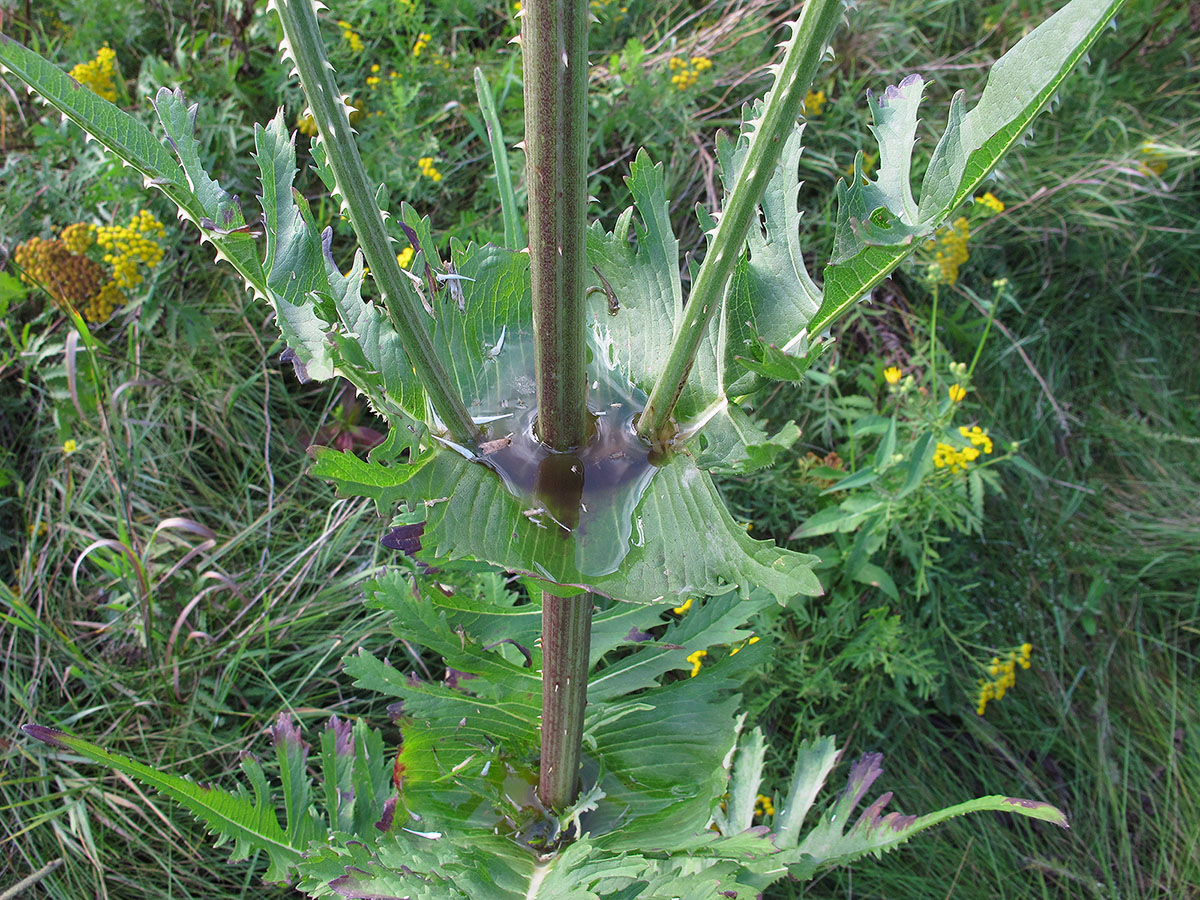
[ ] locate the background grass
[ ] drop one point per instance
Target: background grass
(1089, 554)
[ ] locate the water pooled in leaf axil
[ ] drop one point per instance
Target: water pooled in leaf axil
(588, 496)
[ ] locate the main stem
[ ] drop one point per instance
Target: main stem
(554, 45)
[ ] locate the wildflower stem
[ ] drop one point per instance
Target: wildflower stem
(566, 639)
(792, 81)
(554, 49)
(303, 36)
(987, 329)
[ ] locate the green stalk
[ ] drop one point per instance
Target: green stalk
(303, 36)
(566, 639)
(554, 45)
(554, 50)
(793, 79)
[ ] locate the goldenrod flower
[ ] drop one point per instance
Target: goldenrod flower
(814, 103)
(990, 202)
(100, 74)
(892, 374)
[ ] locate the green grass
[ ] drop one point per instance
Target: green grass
(1091, 366)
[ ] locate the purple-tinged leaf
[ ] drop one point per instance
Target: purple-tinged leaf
(46, 735)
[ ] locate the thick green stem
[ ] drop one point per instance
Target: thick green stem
(554, 45)
(299, 20)
(566, 639)
(793, 78)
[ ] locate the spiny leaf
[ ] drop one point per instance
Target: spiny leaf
(251, 824)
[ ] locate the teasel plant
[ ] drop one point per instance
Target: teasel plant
(557, 411)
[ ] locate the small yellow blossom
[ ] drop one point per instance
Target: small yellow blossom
(69, 446)
(956, 392)
(892, 375)
(405, 257)
(425, 164)
(129, 247)
(422, 42)
(375, 68)
(951, 245)
(764, 806)
(1004, 676)
(694, 659)
(687, 604)
(351, 36)
(738, 649)
(687, 72)
(990, 202)
(814, 103)
(100, 74)
(373, 81)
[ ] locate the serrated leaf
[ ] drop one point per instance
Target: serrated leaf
(250, 823)
(684, 540)
(1019, 86)
(355, 477)
(831, 843)
(294, 264)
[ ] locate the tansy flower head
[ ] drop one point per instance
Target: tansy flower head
(990, 202)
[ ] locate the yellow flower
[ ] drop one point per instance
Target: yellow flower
(892, 374)
(687, 604)
(70, 446)
(956, 392)
(425, 164)
(814, 103)
(423, 40)
(405, 257)
(951, 245)
(694, 659)
(990, 202)
(100, 74)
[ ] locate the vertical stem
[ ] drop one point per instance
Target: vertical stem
(554, 44)
(566, 637)
(554, 47)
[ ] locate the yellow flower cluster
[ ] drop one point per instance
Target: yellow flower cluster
(127, 246)
(990, 202)
(405, 257)
(814, 103)
(425, 163)
(951, 245)
(694, 659)
(1004, 676)
(423, 40)
(100, 74)
(687, 72)
(78, 237)
(958, 459)
(101, 307)
(351, 36)
(69, 278)
(764, 806)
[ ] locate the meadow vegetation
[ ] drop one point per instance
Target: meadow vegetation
(1023, 616)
